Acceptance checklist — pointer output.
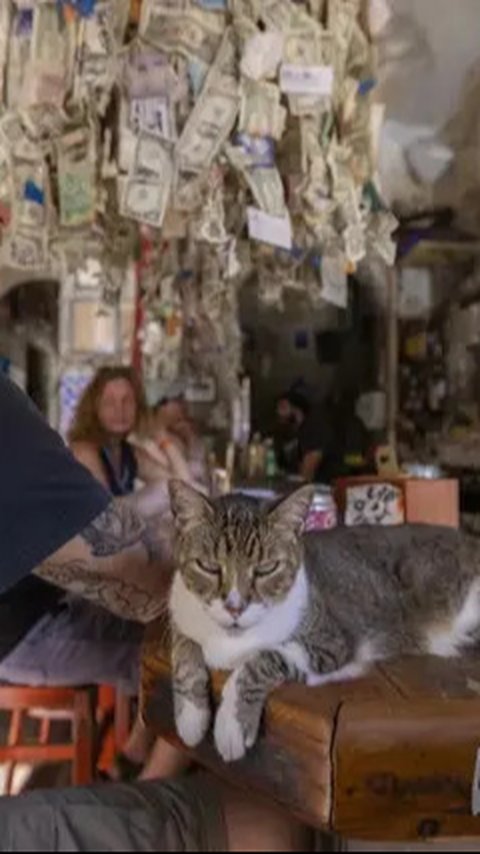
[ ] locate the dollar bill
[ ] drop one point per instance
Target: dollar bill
(355, 243)
(153, 157)
(262, 55)
(303, 43)
(26, 250)
(5, 24)
(382, 227)
(189, 191)
(49, 36)
(213, 117)
(277, 14)
(97, 55)
(244, 9)
(30, 194)
(261, 113)
(148, 188)
(266, 186)
(145, 201)
(19, 54)
(149, 73)
(76, 178)
(153, 115)
(194, 33)
(264, 182)
(50, 66)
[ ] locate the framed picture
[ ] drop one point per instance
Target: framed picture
(201, 390)
(93, 328)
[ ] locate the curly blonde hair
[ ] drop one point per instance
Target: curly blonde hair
(86, 426)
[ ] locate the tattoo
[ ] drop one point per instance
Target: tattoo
(115, 530)
(111, 535)
(123, 598)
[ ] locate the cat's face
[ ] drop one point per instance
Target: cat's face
(238, 558)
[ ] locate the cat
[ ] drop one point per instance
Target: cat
(255, 596)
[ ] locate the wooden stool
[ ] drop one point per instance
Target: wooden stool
(74, 704)
(114, 720)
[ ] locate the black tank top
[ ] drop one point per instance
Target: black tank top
(123, 483)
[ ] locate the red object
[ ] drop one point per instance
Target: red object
(75, 704)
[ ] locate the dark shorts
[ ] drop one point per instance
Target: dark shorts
(186, 815)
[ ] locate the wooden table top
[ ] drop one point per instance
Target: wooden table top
(389, 757)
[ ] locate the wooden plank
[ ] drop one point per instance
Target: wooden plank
(438, 678)
(36, 754)
(291, 763)
(404, 771)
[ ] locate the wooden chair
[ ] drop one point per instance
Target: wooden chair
(113, 716)
(73, 704)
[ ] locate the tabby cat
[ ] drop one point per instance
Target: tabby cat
(253, 596)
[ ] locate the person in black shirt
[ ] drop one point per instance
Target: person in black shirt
(303, 438)
(58, 522)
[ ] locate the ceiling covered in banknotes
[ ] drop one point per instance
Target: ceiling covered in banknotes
(215, 140)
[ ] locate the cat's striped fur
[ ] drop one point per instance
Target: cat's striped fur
(252, 596)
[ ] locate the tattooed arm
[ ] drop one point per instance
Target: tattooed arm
(115, 562)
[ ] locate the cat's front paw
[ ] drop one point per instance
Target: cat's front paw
(230, 738)
(192, 722)
(235, 733)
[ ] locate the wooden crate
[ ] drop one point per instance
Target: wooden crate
(388, 758)
(428, 502)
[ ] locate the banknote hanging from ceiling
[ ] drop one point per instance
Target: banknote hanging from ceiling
(221, 136)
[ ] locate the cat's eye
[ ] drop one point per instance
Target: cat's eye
(267, 569)
(208, 568)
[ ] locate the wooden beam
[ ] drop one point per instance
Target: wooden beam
(441, 253)
(392, 356)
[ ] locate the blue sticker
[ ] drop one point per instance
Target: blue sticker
(24, 22)
(366, 86)
(212, 5)
(5, 364)
(84, 8)
(259, 149)
(33, 193)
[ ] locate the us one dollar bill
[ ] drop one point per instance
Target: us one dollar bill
(193, 33)
(261, 113)
(213, 117)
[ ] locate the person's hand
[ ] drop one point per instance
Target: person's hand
(185, 430)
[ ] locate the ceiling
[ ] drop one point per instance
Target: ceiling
(429, 81)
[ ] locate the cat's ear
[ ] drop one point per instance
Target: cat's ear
(189, 507)
(291, 513)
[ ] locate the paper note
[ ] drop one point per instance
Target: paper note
(334, 280)
(306, 79)
(152, 115)
(276, 231)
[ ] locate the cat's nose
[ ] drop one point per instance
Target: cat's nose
(234, 605)
(235, 611)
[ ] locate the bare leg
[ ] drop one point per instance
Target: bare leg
(139, 743)
(253, 825)
(165, 761)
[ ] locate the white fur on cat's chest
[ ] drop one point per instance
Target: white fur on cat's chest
(223, 651)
